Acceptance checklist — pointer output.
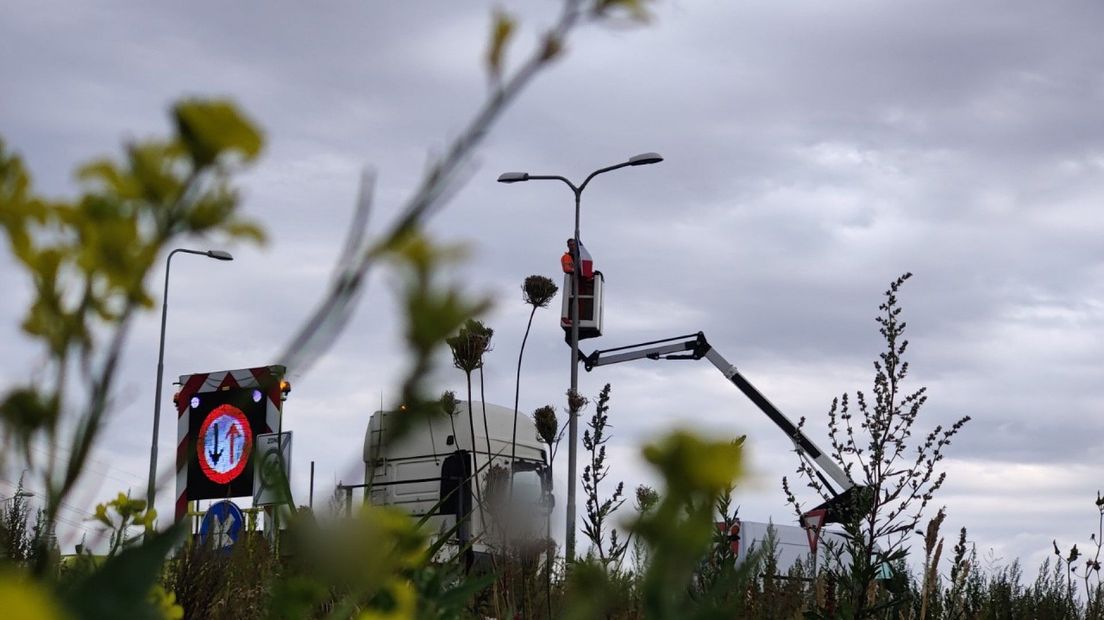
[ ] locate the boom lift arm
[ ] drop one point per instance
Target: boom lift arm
(694, 347)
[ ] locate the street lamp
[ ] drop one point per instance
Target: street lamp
(217, 255)
(20, 492)
(573, 423)
(18, 495)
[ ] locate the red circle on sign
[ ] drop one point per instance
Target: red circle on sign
(203, 448)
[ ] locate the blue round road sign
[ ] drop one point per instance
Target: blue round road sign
(222, 525)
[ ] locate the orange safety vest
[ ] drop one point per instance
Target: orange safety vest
(567, 264)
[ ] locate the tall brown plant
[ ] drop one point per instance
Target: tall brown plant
(900, 479)
(468, 347)
(538, 292)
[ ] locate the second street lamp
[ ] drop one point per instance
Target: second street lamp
(573, 422)
(217, 255)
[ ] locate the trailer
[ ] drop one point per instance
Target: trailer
(789, 544)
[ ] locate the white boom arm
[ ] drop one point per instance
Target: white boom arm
(695, 346)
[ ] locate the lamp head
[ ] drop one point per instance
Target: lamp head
(219, 255)
(513, 177)
(645, 158)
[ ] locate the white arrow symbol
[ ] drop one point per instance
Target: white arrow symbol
(222, 531)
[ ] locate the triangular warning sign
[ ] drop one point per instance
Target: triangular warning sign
(812, 521)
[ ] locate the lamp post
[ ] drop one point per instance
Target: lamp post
(217, 255)
(19, 491)
(18, 495)
(573, 422)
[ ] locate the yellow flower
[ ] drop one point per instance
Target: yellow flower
(165, 602)
(23, 599)
(101, 515)
(405, 603)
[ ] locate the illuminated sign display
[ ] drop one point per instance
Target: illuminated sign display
(225, 441)
(223, 425)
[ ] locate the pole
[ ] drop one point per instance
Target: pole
(573, 417)
(218, 255)
(576, 272)
(150, 489)
(287, 481)
(310, 499)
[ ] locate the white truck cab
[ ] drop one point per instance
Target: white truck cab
(433, 470)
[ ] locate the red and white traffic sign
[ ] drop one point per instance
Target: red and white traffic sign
(733, 535)
(224, 442)
(813, 521)
(261, 399)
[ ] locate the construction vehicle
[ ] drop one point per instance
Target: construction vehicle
(847, 498)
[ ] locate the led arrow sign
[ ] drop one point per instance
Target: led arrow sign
(224, 442)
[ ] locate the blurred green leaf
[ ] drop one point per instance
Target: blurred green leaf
(210, 212)
(154, 173)
(633, 8)
(18, 207)
(113, 180)
(121, 586)
(502, 29)
(210, 128)
(24, 411)
(101, 515)
(679, 530)
(241, 229)
(588, 591)
(21, 598)
(452, 595)
(695, 464)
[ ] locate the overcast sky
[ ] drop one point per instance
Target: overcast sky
(814, 151)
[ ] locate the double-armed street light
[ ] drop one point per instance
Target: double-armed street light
(217, 255)
(573, 423)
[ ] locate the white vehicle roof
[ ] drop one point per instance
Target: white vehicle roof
(436, 436)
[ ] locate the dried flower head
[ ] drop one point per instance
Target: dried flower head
(496, 482)
(576, 402)
(449, 402)
(547, 424)
(538, 291)
(646, 497)
(469, 345)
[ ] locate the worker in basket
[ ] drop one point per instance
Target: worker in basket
(568, 263)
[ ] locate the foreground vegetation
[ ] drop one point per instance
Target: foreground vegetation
(251, 582)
